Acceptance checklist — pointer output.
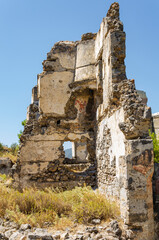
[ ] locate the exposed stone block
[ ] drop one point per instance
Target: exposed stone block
(54, 92)
(85, 73)
(5, 166)
(85, 53)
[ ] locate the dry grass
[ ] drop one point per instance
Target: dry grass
(9, 155)
(56, 208)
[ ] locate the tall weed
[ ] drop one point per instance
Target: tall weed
(58, 208)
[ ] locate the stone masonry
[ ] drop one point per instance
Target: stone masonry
(83, 96)
(155, 124)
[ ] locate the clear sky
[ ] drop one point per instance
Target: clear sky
(29, 28)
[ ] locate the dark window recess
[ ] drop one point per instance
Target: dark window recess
(58, 122)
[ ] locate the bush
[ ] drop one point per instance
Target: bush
(58, 208)
(20, 132)
(1, 147)
(155, 147)
(14, 148)
(93, 205)
(24, 122)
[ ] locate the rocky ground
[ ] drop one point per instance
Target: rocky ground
(96, 231)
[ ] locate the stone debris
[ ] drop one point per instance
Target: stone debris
(24, 227)
(5, 166)
(92, 230)
(108, 231)
(96, 221)
(17, 236)
(9, 232)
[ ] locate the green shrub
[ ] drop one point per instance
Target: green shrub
(1, 147)
(155, 147)
(20, 132)
(24, 122)
(14, 148)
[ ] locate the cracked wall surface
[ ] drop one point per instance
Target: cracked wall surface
(83, 96)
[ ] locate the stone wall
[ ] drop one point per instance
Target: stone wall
(123, 149)
(62, 109)
(155, 123)
(5, 166)
(83, 96)
(155, 129)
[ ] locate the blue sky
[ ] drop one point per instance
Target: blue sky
(29, 28)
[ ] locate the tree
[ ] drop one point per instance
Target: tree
(1, 147)
(14, 148)
(20, 133)
(155, 147)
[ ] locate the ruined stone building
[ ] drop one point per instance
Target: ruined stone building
(83, 96)
(156, 123)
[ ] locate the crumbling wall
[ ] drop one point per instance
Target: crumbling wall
(124, 150)
(155, 129)
(62, 109)
(155, 123)
(83, 96)
(5, 166)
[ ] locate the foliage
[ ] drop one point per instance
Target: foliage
(155, 147)
(3, 177)
(10, 153)
(24, 122)
(1, 147)
(58, 208)
(93, 205)
(14, 148)
(20, 132)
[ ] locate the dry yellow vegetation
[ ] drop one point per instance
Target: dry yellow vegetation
(37, 207)
(9, 155)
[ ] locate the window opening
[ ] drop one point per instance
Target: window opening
(58, 122)
(69, 149)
